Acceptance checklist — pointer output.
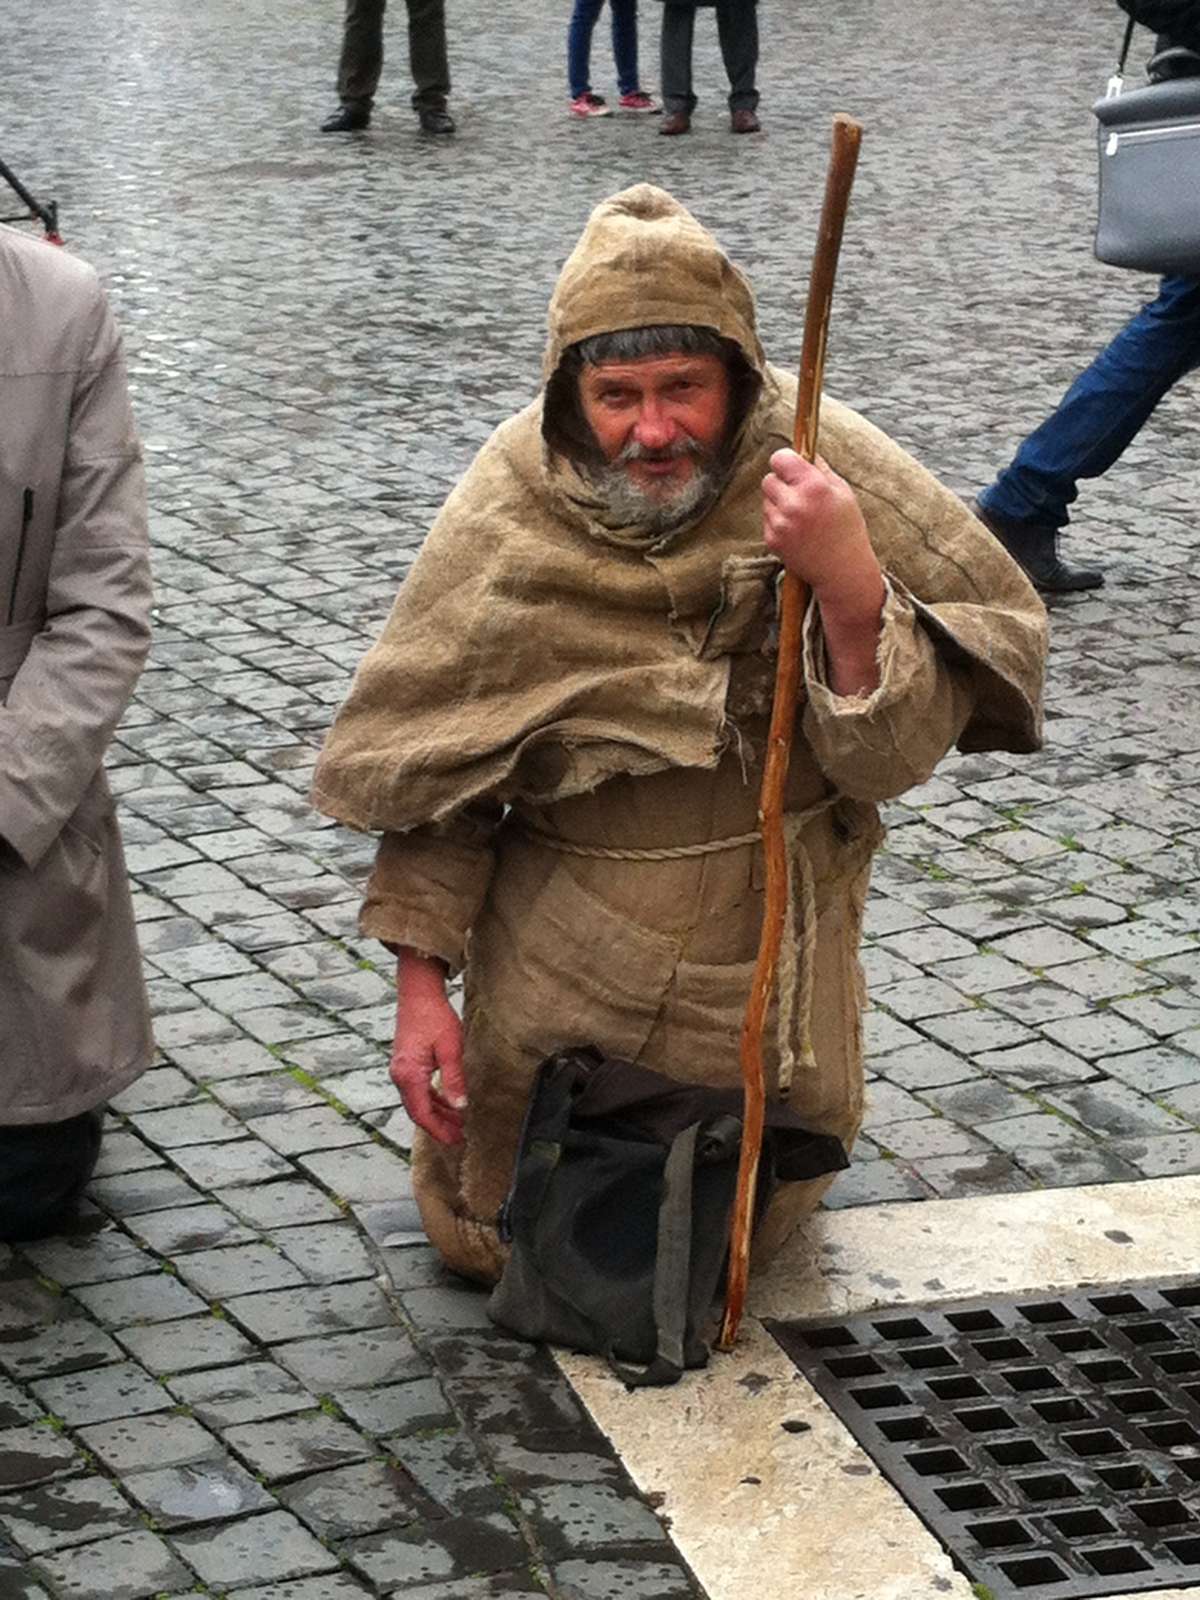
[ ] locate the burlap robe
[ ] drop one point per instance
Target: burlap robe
(611, 690)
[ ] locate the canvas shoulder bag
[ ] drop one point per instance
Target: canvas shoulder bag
(1149, 150)
(618, 1215)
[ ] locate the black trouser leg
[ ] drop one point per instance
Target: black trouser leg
(737, 30)
(362, 54)
(44, 1168)
(678, 26)
(427, 53)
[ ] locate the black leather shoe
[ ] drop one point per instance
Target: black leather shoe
(1034, 546)
(435, 119)
(346, 119)
(675, 122)
(745, 122)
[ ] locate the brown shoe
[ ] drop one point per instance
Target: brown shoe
(675, 122)
(745, 122)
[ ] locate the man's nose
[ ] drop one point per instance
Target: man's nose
(654, 428)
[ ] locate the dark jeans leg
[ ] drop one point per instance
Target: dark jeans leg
(737, 30)
(362, 53)
(1102, 411)
(678, 26)
(427, 53)
(579, 45)
(625, 43)
(44, 1168)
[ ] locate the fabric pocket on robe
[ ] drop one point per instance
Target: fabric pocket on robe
(746, 613)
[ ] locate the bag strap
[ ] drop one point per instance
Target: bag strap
(672, 1269)
(1124, 56)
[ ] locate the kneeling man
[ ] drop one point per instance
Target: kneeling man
(560, 732)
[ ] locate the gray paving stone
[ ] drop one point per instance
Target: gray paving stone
(1042, 946)
(257, 1549)
(1036, 1131)
(927, 1138)
(240, 1269)
(1167, 1012)
(316, 1128)
(331, 1586)
(1113, 1108)
(451, 1308)
(325, 1252)
(131, 1194)
(1034, 1003)
(124, 1152)
(15, 1405)
(101, 1394)
(203, 1491)
(981, 1100)
(363, 1172)
(622, 1580)
(30, 1455)
(503, 1586)
(450, 1470)
(397, 1409)
(72, 1345)
(158, 1297)
(177, 1231)
(356, 1360)
(887, 1103)
(264, 1094)
(127, 1567)
(1161, 1155)
(218, 1166)
(287, 1446)
(280, 1205)
(252, 1392)
(955, 1177)
(462, 1547)
(229, 1057)
(276, 1315)
(355, 1500)
(869, 1183)
(90, 1258)
(165, 1086)
(571, 1518)
(156, 1441)
(185, 1346)
(201, 1123)
(973, 1032)
(66, 1513)
(1030, 1066)
(1099, 1033)
(1153, 1072)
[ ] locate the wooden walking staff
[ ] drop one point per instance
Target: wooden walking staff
(842, 161)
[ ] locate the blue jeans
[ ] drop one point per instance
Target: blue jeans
(624, 40)
(1103, 409)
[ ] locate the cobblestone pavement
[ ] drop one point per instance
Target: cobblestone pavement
(215, 1386)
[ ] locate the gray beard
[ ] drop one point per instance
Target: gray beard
(632, 507)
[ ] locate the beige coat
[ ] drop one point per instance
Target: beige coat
(560, 733)
(74, 630)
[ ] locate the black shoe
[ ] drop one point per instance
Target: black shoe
(435, 119)
(346, 119)
(1034, 546)
(745, 122)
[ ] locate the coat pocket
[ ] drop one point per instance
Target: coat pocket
(743, 618)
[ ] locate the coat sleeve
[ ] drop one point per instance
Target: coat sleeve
(428, 885)
(1178, 18)
(68, 694)
(874, 747)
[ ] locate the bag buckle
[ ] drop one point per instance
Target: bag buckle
(1115, 84)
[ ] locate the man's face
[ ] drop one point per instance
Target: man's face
(660, 423)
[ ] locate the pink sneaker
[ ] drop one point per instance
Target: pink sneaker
(639, 100)
(590, 105)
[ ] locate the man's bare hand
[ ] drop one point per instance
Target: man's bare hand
(428, 1042)
(813, 522)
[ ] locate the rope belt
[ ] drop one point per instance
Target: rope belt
(797, 961)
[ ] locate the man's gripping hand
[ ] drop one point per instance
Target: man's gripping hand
(813, 522)
(429, 1041)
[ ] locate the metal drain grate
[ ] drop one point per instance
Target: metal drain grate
(1052, 1443)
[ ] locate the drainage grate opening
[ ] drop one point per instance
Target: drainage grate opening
(1051, 1442)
